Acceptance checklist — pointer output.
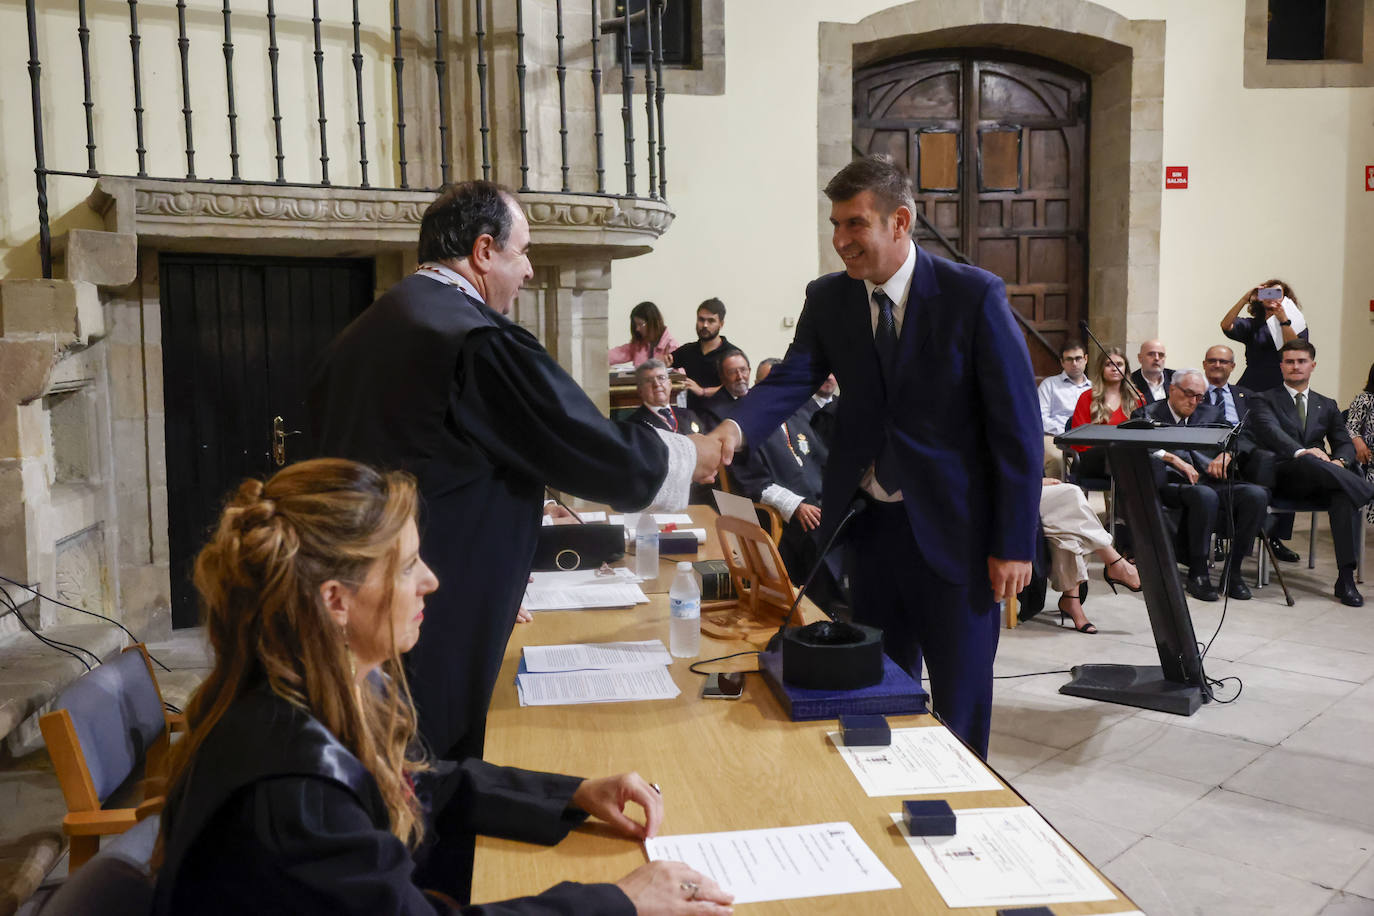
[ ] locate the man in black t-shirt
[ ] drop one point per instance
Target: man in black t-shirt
(701, 358)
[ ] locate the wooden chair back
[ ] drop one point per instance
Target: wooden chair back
(108, 723)
(764, 592)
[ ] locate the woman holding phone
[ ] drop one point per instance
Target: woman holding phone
(1274, 319)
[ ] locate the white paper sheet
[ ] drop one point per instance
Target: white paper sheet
(574, 578)
(1005, 857)
(736, 507)
(541, 598)
(662, 518)
(920, 761)
(576, 687)
(624, 656)
(780, 863)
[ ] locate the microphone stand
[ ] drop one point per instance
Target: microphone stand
(855, 508)
(1083, 325)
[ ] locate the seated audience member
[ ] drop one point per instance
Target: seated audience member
(654, 386)
(734, 384)
(700, 358)
(649, 339)
(1270, 324)
(300, 787)
(1359, 423)
(1111, 399)
(1073, 531)
(820, 411)
(1152, 379)
(1256, 465)
(1059, 395)
(1200, 482)
(1314, 455)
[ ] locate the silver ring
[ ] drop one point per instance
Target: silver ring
(655, 787)
(691, 887)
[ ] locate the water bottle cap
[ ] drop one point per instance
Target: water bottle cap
(684, 566)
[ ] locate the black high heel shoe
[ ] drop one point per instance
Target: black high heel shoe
(1087, 627)
(1115, 582)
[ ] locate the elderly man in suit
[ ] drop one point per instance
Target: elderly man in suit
(655, 411)
(1152, 380)
(938, 431)
(1314, 454)
(1201, 483)
(734, 384)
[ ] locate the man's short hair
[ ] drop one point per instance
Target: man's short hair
(1181, 374)
(714, 306)
(890, 185)
(731, 354)
(1069, 346)
(644, 368)
(461, 214)
(1298, 343)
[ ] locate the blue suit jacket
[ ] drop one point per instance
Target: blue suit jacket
(964, 417)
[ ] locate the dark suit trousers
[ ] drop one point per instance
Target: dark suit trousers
(955, 627)
(1306, 477)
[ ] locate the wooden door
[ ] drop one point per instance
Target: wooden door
(239, 335)
(997, 150)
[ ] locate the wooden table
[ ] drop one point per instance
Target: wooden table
(722, 765)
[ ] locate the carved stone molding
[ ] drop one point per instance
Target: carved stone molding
(327, 221)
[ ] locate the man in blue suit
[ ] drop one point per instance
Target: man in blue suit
(938, 431)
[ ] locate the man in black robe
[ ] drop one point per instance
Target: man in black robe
(434, 379)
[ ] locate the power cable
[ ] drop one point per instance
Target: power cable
(36, 593)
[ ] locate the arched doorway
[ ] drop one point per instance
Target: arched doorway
(996, 145)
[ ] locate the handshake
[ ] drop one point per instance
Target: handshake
(715, 450)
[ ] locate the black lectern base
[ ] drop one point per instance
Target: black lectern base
(1142, 686)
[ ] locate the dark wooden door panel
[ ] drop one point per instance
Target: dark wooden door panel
(997, 149)
(239, 337)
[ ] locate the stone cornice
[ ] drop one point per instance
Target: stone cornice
(297, 220)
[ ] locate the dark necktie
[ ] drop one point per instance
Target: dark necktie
(885, 337)
(667, 414)
(1216, 397)
(1301, 402)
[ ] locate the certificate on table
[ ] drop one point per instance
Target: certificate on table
(627, 656)
(1005, 857)
(781, 863)
(919, 761)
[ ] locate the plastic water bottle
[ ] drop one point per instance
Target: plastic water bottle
(684, 603)
(646, 547)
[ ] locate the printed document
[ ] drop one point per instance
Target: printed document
(920, 761)
(562, 598)
(781, 863)
(574, 687)
(1005, 857)
(624, 656)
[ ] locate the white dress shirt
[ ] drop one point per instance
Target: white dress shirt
(1058, 397)
(1293, 396)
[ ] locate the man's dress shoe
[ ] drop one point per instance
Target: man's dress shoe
(1201, 588)
(1237, 588)
(1281, 551)
(1349, 595)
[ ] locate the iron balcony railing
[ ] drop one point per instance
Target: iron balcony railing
(617, 29)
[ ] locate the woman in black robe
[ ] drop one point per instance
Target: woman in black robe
(298, 788)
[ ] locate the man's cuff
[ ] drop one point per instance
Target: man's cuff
(737, 428)
(1299, 452)
(782, 499)
(673, 493)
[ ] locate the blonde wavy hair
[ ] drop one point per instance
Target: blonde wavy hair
(259, 581)
(1100, 412)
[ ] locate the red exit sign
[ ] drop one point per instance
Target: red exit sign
(1369, 178)
(1176, 176)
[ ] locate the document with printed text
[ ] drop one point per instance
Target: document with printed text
(920, 761)
(626, 656)
(781, 863)
(566, 688)
(555, 598)
(1005, 857)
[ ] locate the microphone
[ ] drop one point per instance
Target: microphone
(856, 506)
(1083, 326)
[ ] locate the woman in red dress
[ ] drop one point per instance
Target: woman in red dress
(1110, 400)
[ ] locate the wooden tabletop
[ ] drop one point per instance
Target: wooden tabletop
(722, 765)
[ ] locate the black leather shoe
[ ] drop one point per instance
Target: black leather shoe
(1237, 588)
(1346, 591)
(1281, 551)
(1201, 588)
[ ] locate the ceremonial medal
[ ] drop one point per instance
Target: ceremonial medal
(802, 445)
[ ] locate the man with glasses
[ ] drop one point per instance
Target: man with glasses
(655, 411)
(1058, 396)
(1201, 483)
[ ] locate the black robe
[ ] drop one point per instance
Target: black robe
(277, 817)
(430, 380)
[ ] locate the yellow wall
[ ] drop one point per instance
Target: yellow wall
(1276, 188)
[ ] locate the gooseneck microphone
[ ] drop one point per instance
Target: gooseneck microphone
(855, 507)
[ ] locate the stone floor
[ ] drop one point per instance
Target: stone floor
(1265, 805)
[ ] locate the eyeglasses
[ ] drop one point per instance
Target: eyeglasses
(1192, 396)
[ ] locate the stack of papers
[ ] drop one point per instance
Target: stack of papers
(583, 588)
(584, 517)
(612, 672)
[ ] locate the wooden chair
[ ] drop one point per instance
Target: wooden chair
(107, 724)
(770, 519)
(117, 881)
(764, 592)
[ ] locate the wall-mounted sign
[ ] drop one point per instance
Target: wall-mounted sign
(1369, 178)
(1176, 176)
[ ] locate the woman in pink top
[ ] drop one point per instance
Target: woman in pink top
(648, 338)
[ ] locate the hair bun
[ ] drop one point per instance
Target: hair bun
(253, 507)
